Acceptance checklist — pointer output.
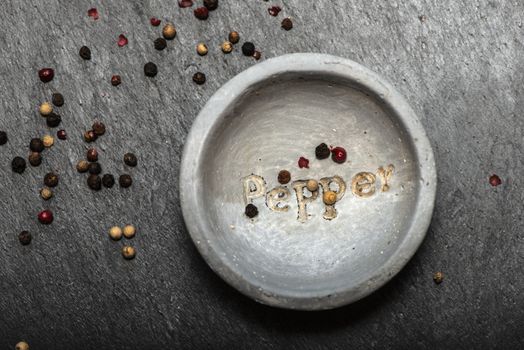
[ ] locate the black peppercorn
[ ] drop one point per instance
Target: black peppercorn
(94, 182)
(125, 181)
(248, 48)
(211, 4)
(90, 136)
(18, 165)
(116, 80)
(108, 180)
(24, 237)
(287, 24)
(95, 168)
(284, 177)
(199, 78)
(92, 155)
(57, 99)
(36, 145)
(51, 180)
(85, 53)
(53, 120)
(322, 151)
(160, 44)
(251, 211)
(150, 69)
(130, 159)
(99, 128)
(3, 138)
(35, 159)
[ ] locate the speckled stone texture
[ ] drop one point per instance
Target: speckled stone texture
(460, 67)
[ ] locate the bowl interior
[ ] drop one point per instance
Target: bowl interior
(266, 130)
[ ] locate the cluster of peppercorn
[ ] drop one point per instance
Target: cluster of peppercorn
(128, 232)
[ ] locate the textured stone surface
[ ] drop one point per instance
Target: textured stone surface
(462, 71)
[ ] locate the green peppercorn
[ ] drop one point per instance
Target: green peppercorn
(82, 166)
(3, 138)
(53, 120)
(18, 165)
(150, 69)
(95, 168)
(51, 180)
(248, 49)
(160, 44)
(85, 53)
(94, 182)
(108, 180)
(130, 159)
(125, 181)
(199, 78)
(128, 252)
(46, 193)
(25, 237)
(36, 145)
(98, 128)
(35, 159)
(57, 99)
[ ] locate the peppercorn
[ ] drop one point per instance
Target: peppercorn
(211, 5)
(202, 49)
(274, 10)
(116, 80)
(128, 252)
(57, 99)
(226, 47)
(22, 346)
(160, 44)
(284, 177)
(115, 233)
(45, 217)
(130, 159)
(155, 22)
(287, 24)
(125, 181)
(169, 31)
(251, 211)
(185, 3)
(82, 166)
(61, 134)
(129, 231)
(92, 155)
(51, 180)
(248, 48)
(3, 138)
(36, 145)
(329, 197)
(48, 141)
(99, 128)
(46, 193)
(108, 180)
(202, 13)
(257, 55)
(18, 165)
(150, 69)
(339, 155)
(35, 159)
(312, 185)
(322, 151)
(45, 109)
(438, 277)
(53, 120)
(46, 74)
(199, 78)
(94, 182)
(90, 136)
(303, 163)
(95, 168)
(85, 53)
(234, 37)
(25, 238)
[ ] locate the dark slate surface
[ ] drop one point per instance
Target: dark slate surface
(462, 69)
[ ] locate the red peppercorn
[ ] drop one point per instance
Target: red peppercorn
(274, 10)
(46, 74)
(201, 13)
(93, 13)
(122, 40)
(155, 22)
(339, 155)
(185, 3)
(303, 163)
(116, 80)
(61, 134)
(494, 180)
(45, 217)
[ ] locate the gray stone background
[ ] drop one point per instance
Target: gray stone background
(462, 69)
